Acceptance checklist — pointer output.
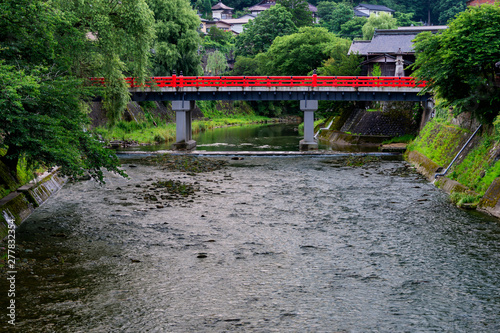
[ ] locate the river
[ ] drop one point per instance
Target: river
(255, 137)
(265, 244)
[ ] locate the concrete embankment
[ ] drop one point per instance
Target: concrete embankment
(18, 205)
(360, 126)
(475, 172)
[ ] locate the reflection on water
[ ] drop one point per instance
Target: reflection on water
(291, 244)
(267, 137)
(274, 137)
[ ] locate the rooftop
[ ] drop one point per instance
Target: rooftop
(222, 6)
(375, 7)
(360, 14)
(381, 44)
(391, 40)
(236, 21)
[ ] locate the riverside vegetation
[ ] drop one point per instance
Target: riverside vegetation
(155, 129)
(461, 68)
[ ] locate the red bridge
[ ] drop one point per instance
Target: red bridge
(277, 81)
(314, 87)
(183, 91)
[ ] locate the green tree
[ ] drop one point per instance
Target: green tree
(325, 9)
(238, 4)
(177, 42)
(105, 38)
(218, 39)
(301, 15)
(42, 120)
(216, 63)
(376, 71)
(246, 66)
(300, 53)
(260, 32)
(458, 64)
(353, 28)
(405, 19)
(219, 36)
(341, 65)
(47, 60)
(446, 10)
(381, 21)
(335, 15)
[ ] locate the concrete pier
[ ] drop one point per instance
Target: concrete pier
(309, 142)
(183, 119)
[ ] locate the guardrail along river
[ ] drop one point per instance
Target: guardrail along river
(265, 244)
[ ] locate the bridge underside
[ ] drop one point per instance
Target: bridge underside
(279, 94)
(183, 101)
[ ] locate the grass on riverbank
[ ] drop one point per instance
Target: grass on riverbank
(316, 124)
(147, 132)
(407, 138)
(440, 141)
(24, 173)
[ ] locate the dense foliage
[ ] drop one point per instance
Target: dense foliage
(42, 118)
(260, 33)
(380, 21)
(48, 49)
(301, 15)
(300, 53)
(333, 15)
(459, 63)
(177, 42)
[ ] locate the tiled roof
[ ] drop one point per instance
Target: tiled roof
(391, 40)
(258, 8)
(220, 5)
(384, 44)
(235, 21)
(360, 14)
(375, 7)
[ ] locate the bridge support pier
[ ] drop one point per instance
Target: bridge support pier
(309, 143)
(183, 119)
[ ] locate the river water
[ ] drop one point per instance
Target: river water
(266, 244)
(255, 137)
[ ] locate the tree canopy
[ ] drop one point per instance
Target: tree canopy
(177, 42)
(353, 28)
(459, 63)
(42, 119)
(300, 53)
(260, 33)
(381, 21)
(46, 62)
(333, 15)
(301, 15)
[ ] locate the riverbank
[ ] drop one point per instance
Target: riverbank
(148, 132)
(472, 181)
(19, 204)
(154, 122)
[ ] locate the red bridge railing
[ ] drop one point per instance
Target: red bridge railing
(272, 81)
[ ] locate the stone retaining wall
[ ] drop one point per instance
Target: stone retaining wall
(18, 205)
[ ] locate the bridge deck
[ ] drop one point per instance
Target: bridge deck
(343, 93)
(338, 88)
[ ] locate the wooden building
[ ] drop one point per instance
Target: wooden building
(391, 49)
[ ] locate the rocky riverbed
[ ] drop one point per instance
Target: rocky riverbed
(263, 244)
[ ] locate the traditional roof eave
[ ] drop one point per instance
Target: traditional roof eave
(221, 6)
